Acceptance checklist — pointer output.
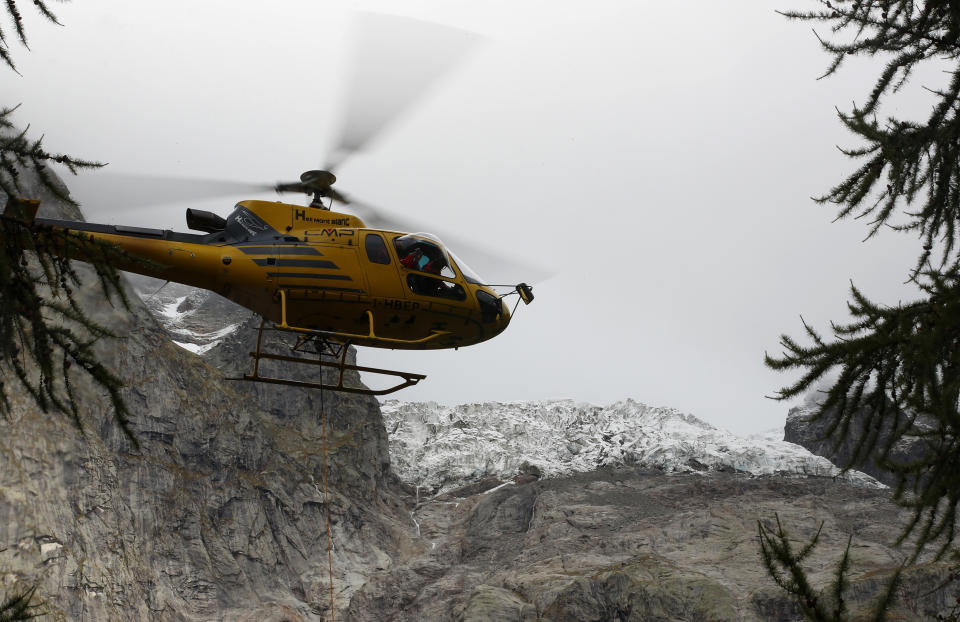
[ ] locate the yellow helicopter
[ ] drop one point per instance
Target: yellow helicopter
(322, 275)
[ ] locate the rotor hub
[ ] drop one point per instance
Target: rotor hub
(318, 179)
(316, 182)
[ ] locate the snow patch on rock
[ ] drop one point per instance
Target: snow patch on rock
(196, 319)
(206, 341)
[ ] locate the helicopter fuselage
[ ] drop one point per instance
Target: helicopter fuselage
(317, 270)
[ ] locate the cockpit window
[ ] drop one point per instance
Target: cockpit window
(376, 249)
(422, 254)
(429, 286)
(469, 275)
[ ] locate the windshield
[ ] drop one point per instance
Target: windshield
(423, 252)
(468, 274)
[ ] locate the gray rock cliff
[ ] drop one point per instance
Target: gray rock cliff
(801, 428)
(640, 545)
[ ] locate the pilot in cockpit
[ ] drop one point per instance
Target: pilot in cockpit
(412, 259)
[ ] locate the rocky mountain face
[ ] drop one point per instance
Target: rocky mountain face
(801, 428)
(634, 544)
(196, 319)
(563, 511)
(529, 511)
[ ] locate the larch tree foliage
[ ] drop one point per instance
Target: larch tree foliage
(897, 366)
(46, 338)
(44, 333)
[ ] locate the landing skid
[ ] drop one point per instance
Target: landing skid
(322, 343)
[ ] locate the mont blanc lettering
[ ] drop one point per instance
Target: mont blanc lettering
(301, 214)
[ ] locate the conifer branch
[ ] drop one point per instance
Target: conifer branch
(785, 567)
(909, 168)
(898, 368)
(43, 328)
(13, 12)
(41, 6)
(892, 361)
(17, 21)
(20, 606)
(18, 152)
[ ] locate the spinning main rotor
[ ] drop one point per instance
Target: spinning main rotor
(396, 62)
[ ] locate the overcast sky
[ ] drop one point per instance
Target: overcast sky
(658, 156)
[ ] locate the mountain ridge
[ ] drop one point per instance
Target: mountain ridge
(440, 448)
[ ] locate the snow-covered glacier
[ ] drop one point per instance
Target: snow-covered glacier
(439, 448)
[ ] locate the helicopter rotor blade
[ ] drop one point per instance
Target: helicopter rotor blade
(108, 191)
(396, 62)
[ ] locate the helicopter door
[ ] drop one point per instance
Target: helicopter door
(381, 268)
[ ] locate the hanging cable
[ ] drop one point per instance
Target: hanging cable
(153, 295)
(326, 498)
